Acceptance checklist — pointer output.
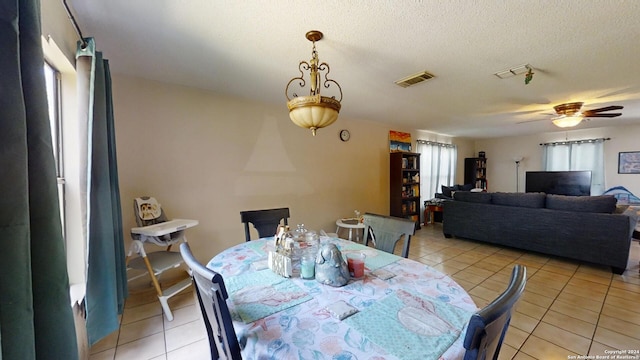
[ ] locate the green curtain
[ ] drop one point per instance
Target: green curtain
(36, 320)
(106, 272)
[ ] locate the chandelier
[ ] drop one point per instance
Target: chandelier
(313, 111)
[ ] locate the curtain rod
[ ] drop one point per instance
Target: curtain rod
(75, 24)
(434, 143)
(574, 142)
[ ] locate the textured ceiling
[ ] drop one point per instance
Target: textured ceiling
(580, 50)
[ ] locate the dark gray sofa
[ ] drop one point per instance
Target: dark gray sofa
(583, 228)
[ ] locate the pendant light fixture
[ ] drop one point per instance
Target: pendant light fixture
(313, 111)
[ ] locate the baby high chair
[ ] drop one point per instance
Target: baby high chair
(154, 227)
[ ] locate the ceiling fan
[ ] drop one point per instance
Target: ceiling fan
(570, 114)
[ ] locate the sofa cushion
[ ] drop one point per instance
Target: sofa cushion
(594, 204)
(529, 200)
(474, 197)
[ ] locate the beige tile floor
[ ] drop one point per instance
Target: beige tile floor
(568, 308)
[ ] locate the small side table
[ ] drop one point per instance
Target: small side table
(350, 224)
(429, 211)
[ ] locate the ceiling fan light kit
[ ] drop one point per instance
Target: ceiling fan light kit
(570, 114)
(568, 109)
(566, 121)
(313, 111)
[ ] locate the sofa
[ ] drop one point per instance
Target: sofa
(583, 228)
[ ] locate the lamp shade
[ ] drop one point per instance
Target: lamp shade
(567, 121)
(313, 112)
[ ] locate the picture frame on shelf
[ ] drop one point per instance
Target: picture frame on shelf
(629, 162)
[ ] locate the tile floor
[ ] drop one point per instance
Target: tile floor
(567, 309)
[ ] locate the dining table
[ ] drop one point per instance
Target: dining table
(399, 309)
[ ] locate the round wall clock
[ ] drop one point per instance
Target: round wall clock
(345, 135)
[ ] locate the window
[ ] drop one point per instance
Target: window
(577, 155)
(437, 164)
(52, 78)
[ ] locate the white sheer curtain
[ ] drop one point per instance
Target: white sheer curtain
(577, 155)
(437, 167)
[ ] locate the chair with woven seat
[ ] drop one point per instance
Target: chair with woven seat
(488, 326)
(154, 227)
(264, 221)
(386, 231)
(212, 296)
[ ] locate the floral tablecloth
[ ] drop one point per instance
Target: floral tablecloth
(289, 319)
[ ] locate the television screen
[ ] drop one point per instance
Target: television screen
(577, 183)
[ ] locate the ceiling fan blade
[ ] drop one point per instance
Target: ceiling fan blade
(606, 108)
(586, 114)
(528, 121)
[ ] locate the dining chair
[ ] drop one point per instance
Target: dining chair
(154, 227)
(488, 326)
(212, 296)
(386, 231)
(264, 221)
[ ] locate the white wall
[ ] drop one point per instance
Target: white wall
(207, 157)
(501, 168)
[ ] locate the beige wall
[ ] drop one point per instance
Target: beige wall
(56, 24)
(501, 168)
(207, 157)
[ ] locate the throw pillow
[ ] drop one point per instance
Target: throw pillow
(595, 204)
(446, 191)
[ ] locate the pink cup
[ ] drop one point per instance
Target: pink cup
(356, 265)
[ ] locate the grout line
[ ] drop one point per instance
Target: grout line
(547, 311)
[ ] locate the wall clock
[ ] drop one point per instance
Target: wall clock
(345, 135)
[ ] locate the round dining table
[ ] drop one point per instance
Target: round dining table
(400, 308)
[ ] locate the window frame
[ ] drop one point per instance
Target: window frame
(53, 79)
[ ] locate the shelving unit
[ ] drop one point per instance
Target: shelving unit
(404, 186)
(475, 172)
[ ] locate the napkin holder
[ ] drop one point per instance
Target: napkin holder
(280, 259)
(280, 264)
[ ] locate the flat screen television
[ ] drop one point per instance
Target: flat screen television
(577, 183)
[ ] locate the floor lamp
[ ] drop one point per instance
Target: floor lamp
(517, 159)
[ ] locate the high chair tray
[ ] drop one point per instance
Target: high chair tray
(164, 228)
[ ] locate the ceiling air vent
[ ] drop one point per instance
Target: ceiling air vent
(414, 79)
(516, 70)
